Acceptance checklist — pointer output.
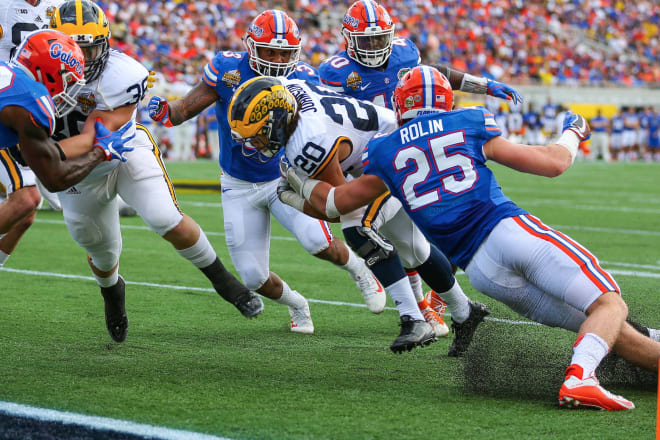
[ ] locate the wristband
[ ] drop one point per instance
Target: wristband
(474, 84)
(330, 208)
(571, 141)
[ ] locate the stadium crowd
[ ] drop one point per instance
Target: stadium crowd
(535, 42)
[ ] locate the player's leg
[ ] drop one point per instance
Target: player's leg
(90, 214)
(247, 232)
(18, 210)
(317, 239)
(144, 184)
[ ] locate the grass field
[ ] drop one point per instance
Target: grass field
(192, 362)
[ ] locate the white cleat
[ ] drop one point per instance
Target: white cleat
(372, 291)
(301, 319)
(576, 392)
(439, 327)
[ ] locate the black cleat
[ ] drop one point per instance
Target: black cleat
(115, 310)
(464, 331)
(414, 333)
(249, 304)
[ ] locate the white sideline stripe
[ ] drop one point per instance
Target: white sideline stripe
(102, 423)
(277, 237)
(564, 204)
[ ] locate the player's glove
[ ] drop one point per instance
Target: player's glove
(112, 142)
(159, 110)
(288, 196)
(577, 124)
(503, 91)
(151, 79)
(300, 183)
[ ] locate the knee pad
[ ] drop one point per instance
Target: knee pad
(102, 248)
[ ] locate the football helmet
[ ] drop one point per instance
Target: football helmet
(273, 30)
(260, 114)
(368, 31)
(86, 23)
(56, 61)
(422, 90)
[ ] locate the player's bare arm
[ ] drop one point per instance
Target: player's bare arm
(193, 103)
(83, 142)
(44, 157)
(549, 161)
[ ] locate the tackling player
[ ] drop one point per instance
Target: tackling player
(115, 85)
(39, 84)
(324, 133)
(249, 179)
(435, 163)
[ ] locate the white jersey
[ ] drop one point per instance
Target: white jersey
(18, 18)
(327, 119)
(122, 82)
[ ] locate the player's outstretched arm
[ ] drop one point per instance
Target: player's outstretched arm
(175, 112)
(46, 159)
(550, 160)
(468, 83)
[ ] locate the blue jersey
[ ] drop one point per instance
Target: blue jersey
(342, 74)
(18, 89)
(226, 71)
(618, 124)
(599, 124)
(532, 119)
(435, 166)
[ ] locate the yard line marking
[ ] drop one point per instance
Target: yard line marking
(276, 237)
(102, 423)
(565, 204)
(638, 266)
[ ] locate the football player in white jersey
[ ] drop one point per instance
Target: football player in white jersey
(17, 182)
(115, 84)
(324, 133)
(249, 182)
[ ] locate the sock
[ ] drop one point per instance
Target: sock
(654, 334)
(354, 265)
(290, 297)
(400, 292)
(3, 258)
(437, 271)
(201, 254)
(589, 349)
(416, 284)
(457, 303)
(423, 304)
(224, 282)
(109, 281)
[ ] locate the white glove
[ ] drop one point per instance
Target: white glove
(288, 196)
(300, 183)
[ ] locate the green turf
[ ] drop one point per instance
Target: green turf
(192, 362)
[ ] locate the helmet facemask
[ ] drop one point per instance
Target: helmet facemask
(371, 47)
(269, 68)
(66, 100)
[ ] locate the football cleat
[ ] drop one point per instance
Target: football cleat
(249, 304)
(577, 392)
(115, 310)
(301, 319)
(372, 291)
(436, 303)
(464, 331)
(437, 322)
(414, 333)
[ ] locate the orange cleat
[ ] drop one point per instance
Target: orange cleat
(577, 392)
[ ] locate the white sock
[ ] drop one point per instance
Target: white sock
(354, 265)
(588, 351)
(290, 297)
(401, 294)
(201, 254)
(416, 284)
(109, 281)
(654, 334)
(3, 258)
(458, 303)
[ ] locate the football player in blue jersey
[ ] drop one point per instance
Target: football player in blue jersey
(39, 84)
(249, 179)
(435, 164)
(369, 69)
